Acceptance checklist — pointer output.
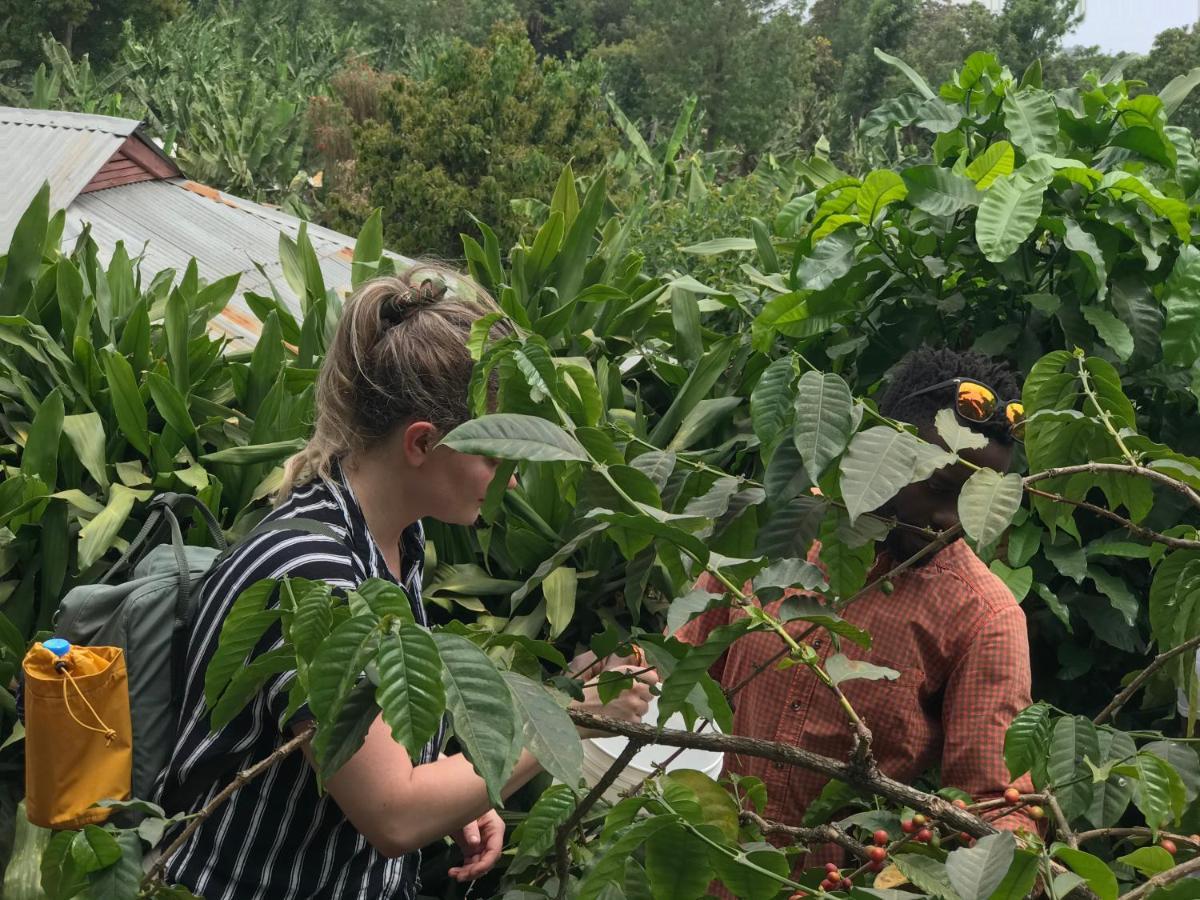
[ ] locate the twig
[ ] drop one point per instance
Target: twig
(563, 861)
(1137, 530)
(821, 834)
(1163, 878)
(1060, 822)
(1157, 663)
(242, 778)
(1095, 468)
(866, 778)
(1137, 831)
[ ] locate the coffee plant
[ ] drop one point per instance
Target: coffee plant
(666, 428)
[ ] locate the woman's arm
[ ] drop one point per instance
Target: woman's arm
(399, 807)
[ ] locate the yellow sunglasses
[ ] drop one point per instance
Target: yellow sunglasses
(976, 402)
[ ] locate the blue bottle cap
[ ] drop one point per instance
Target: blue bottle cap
(57, 646)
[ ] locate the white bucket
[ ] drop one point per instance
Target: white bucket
(599, 754)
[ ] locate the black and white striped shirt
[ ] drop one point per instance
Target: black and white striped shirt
(277, 838)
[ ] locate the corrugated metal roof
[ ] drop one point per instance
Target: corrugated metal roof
(66, 149)
(169, 222)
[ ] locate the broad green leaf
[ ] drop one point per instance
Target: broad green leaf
(1178, 89)
(976, 872)
(1181, 299)
(250, 454)
(957, 435)
(1020, 878)
(481, 709)
(340, 737)
(677, 686)
(1074, 739)
(85, 432)
(25, 251)
(122, 877)
(1136, 306)
(126, 401)
(171, 405)
(1088, 251)
(547, 729)
(721, 245)
(99, 534)
(559, 588)
(927, 874)
(1018, 580)
(562, 554)
(939, 191)
(535, 835)
(40, 456)
(829, 261)
(1112, 331)
(717, 806)
(61, 878)
(771, 582)
(770, 401)
(243, 627)
(879, 190)
(1032, 120)
(879, 462)
(841, 668)
(368, 249)
(1148, 860)
(809, 609)
(753, 884)
(987, 504)
(917, 81)
(94, 848)
(1159, 794)
(1099, 876)
(409, 692)
(338, 666)
(176, 327)
(609, 865)
(1183, 760)
(515, 436)
(677, 864)
(1007, 216)
(824, 420)
(247, 682)
(995, 162)
(1110, 798)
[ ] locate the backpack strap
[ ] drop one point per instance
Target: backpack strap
(162, 511)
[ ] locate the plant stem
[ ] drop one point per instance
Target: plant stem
(562, 859)
(1163, 878)
(1105, 419)
(242, 778)
(1157, 663)
(1137, 530)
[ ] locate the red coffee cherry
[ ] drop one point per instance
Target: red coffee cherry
(908, 826)
(1168, 845)
(1012, 796)
(924, 836)
(881, 837)
(876, 854)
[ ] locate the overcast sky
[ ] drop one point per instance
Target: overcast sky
(1131, 24)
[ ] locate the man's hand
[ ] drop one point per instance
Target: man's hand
(630, 705)
(481, 842)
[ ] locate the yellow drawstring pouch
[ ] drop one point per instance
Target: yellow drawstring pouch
(78, 736)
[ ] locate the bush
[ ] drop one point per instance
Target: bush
(491, 124)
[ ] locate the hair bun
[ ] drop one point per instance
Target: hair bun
(401, 305)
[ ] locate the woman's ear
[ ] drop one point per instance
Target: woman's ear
(417, 441)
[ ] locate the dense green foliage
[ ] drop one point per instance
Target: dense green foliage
(664, 425)
(484, 126)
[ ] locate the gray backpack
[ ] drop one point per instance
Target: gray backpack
(148, 615)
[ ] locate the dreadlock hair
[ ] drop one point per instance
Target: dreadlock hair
(926, 366)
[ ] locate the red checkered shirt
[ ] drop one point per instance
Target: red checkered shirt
(956, 635)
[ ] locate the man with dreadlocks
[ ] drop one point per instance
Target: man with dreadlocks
(948, 626)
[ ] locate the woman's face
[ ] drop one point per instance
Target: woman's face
(458, 484)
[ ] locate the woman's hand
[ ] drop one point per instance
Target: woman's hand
(628, 706)
(481, 842)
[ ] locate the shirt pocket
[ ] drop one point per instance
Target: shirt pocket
(902, 731)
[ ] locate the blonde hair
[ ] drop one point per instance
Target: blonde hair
(399, 354)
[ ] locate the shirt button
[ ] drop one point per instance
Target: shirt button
(795, 704)
(816, 643)
(777, 765)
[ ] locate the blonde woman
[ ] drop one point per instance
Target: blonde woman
(394, 381)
